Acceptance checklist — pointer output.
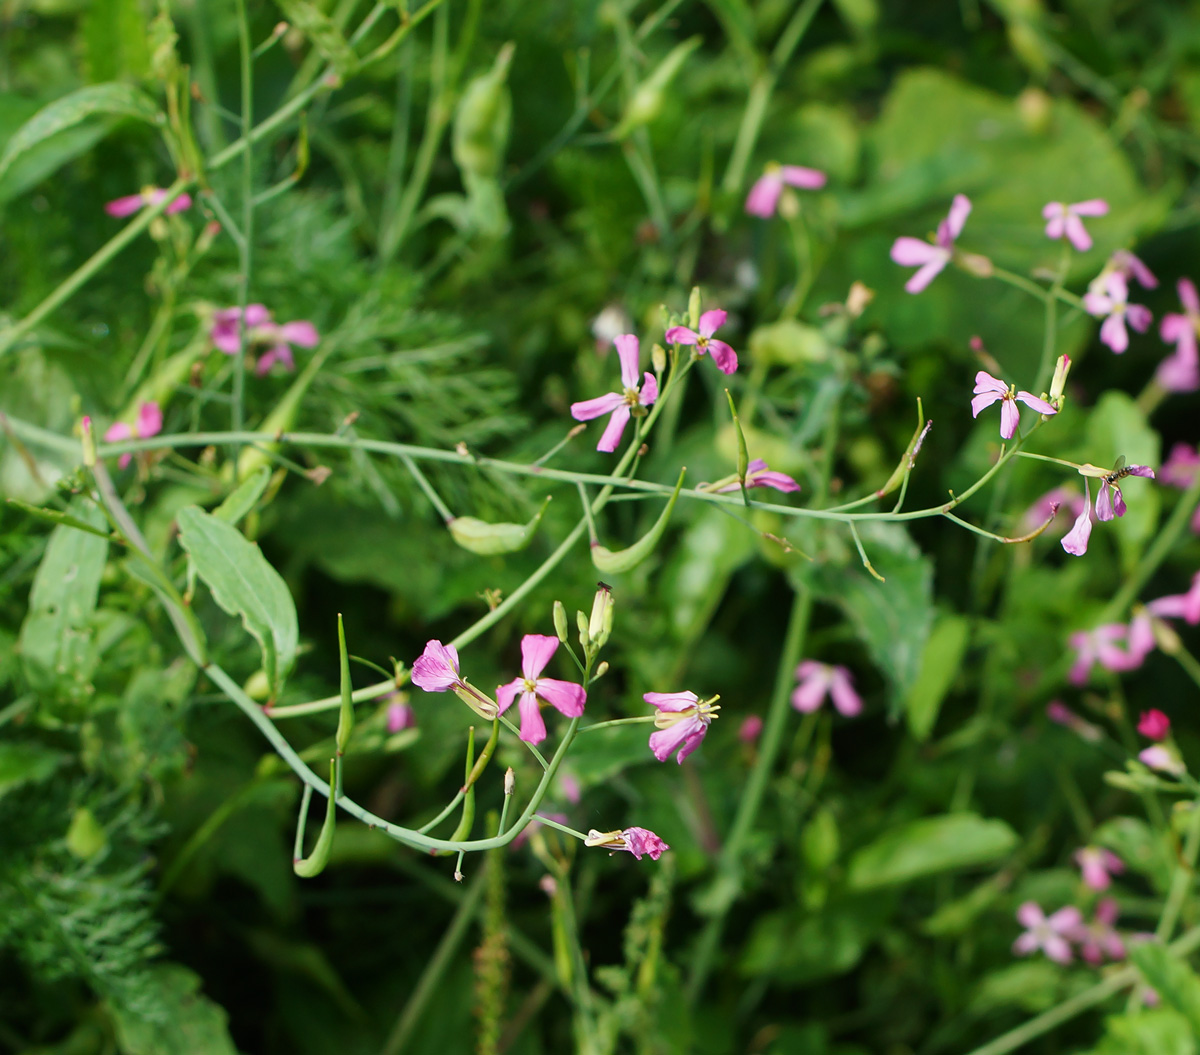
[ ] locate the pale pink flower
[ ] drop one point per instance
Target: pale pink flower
(149, 423)
(1100, 646)
(1046, 933)
(818, 680)
(931, 258)
(764, 195)
(132, 203)
(1154, 725)
(638, 841)
(988, 389)
(619, 404)
(1184, 606)
(1064, 220)
(758, 475)
(400, 715)
(711, 321)
(1162, 758)
(750, 729)
(1179, 470)
(1097, 866)
(1099, 939)
(436, 670)
(683, 719)
(1061, 714)
(1075, 541)
(261, 329)
(1124, 263)
(569, 785)
(566, 696)
(1113, 306)
(1180, 371)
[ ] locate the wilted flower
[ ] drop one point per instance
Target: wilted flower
(620, 405)
(1180, 372)
(929, 258)
(757, 475)
(1099, 938)
(1097, 866)
(988, 389)
(1100, 646)
(711, 321)
(683, 719)
(1046, 933)
(436, 670)
(132, 203)
(1061, 714)
(1154, 725)
(1163, 758)
(818, 680)
(1065, 220)
(566, 696)
(764, 195)
(149, 423)
(1113, 305)
(638, 841)
(261, 329)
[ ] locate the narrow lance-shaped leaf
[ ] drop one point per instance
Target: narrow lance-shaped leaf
(487, 539)
(608, 561)
(314, 863)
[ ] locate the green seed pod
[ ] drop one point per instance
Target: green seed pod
(560, 621)
(345, 724)
(488, 539)
(483, 118)
(629, 558)
(647, 99)
(314, 863)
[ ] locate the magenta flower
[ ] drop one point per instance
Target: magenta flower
(638, 841)
(758, 475)
(1059, 713)
(1154, 725)
(1065, 220)
(1099, 939)
(1100, 646)
(750, 728)
(149, 423)
(1097, 866)
(436, 670)
(1113, 306)
(620, 405)
(1162, 758)
(929, 258)
(1180, 372)
(711, 321)
(683, 719)
(988, 389)
(1046, 933)
(569, 698)
(400, 716)
(764, 195)
(261, 329)
(818, 680)
(130, 204)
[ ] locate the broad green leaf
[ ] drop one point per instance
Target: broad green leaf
(241, 500)
(699, 568)
(928, 847)
(1171, 978)
(183, 1022)
(1159, 1031)
(1029, 986)
(939, 666)
(245, 585)
(310, 20)
(115, 40)
(1142, 850)
(22, 762)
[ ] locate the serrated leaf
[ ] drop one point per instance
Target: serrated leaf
(928, 847)
(244, 584)
(323, 34)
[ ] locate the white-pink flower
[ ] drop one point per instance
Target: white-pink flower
(1097, 866)
(1164, 758)
(711, 321)
(682, 720)
(132, 203)
(988, 389)
(929, 258)
(818, 680)
(1100, 646)
(1064, 220)
(620, 405)
(1050, 934)
(1113, 306)
(566, 696)
(763, 198)
(149, 423)
(1180, 371)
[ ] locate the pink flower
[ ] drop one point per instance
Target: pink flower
(400, 716)
(619, 404)
(764, 195)
(1113, 303)
(149, 423)
(1124, 263)
(1047, 934)
(638, 841)
(1097, 865)
(758, 475)
(1179, 470)
(683, 719)
(130, 204)
(261, 329)
(988, 389)
(1100, 646)
(1099, 938)
(932, 258)
(1060, 498)
(711, 321)
(1180, 372)
(1075, 541)
(1154, 725)
(1065, 220)
(1163, 759)
(1184, 606)
(750, 729)
(436, 670)
(569, 698)
(1109, 500)
(1060, 713)
(817, 680)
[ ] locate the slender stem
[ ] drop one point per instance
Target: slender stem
(424, 484)
(237, 408)
(549, 822)
(640, 720)
(1182, 880)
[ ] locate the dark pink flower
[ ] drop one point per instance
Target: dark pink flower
(764, 195)
(1100, 646)
(988, 389)
(758, 475)
(931, 258)
(711, 321)
(1046, 933)
(1154, 725)
(683, 719)
(149, 423)
(261, 329)
(1064, 220)
(1180, 372)
(1097, 866)
(1113, 306)
(619, 404)
(818, 680)
(1099, 939)
(131, 203)
(638, 841)
(566, 696)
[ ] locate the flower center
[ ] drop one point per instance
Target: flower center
(704, 710)
(531, 685)
(631, 397)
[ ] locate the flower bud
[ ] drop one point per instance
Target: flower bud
(510, 781)
(600, 624)
(560, 621)
(1059, 382)
(581, 621)
(89, 442)
(975, 264)
(601, 669)
(694, 308)
(658, 358)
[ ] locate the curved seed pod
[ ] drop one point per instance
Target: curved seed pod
(626, 559)
(483, 118)
(314, 863)
(647, 98)
(345, 724)
(488, 539)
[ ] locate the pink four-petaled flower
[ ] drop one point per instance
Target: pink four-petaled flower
(619, 404)
(1099, 939)
(400, 715)
(764, 195)
(711, 321)
(1097, 866)
(1113, 306)
(566, 696)
(758, 475)
(988, 389)
(1048, 933)
(638, 841)
(262, 329)
(931, 258)
(132, 203)
(436, 670)
(683, 719)
(1100, 646)
(818, 680)
(1065, 220)
(149, 423)
(1180, 371)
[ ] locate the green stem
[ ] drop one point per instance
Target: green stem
(245, 249)
(1182, 880)
(640, 720)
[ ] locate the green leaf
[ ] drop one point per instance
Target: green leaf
(1160, 1031)
(23, 762)
(115, 40)
(939, 666)
(323, 34)
(1142, 850)
(241, 500)
(928, 847)
(185, 1021)
(1031, 987)
(245, 585)
(1171, 978)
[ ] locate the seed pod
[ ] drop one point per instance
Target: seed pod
(483, 118)
(629, 558)
(488, 539)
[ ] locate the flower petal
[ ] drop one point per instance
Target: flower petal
(1010, 418)
(533, 729)
(1040, 405)
(536, 652)
(1075, 541)
(665, 741)
(301, 332)
(614, 428)
(925, 275)
(1091, 207)
(960, 209)
(1077, 235)
(436, 669)
(841, 691)
(150, 420)
(712, 320)
(671, 701)
(627, 352)
(564, 696)
(764, 196)
(1114, 334)
(125, 206)
(594, 408)
(505, 694)
(805, 178)
(649, 392)
(912, 252)
(681, 335)
(724, 356)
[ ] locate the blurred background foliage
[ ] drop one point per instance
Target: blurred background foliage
(454, 272)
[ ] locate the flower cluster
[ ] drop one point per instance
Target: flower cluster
(149, 423)
(1057, 933)
(132, 203)
(261, 329)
